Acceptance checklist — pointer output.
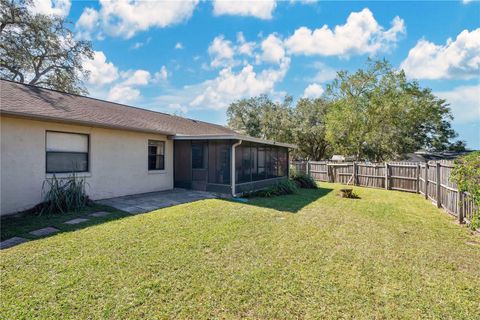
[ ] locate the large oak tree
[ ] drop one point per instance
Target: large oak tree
(378, 114)
(40, 49)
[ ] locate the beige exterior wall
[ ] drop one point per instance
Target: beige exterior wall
(118, 162)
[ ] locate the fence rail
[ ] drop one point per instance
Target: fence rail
(432, 180)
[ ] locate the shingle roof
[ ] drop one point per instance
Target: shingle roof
(22, 100)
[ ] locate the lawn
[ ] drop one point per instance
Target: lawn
(311, 255)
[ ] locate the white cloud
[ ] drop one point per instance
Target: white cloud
(262, 9)
(225, 53)
(229, 86)
(177, 108)
(179, 46)
(243, 46)
(464, 102)
(459, 58)
(273, 50)
(138, 45)
(123, 94)
(361, 34)
(100, 71)
(161, 75)
(105, 81)
(87, 23)
(313, 91)
(324, 73)
(51, 7)
(135, 77)
(221, 51)
(304, 1)
(124, 18)
(127, 90)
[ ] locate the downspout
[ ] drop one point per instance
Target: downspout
(233, 166)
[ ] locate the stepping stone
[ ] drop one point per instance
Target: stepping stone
(12, 242)
(75, 221)
(99, 214)
(44, 231)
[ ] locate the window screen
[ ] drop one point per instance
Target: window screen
(156, 155)
(66, 152)
(219, 164)
(282, 162)
(199, 155)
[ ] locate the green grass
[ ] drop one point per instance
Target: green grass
(21, 225)
(388, 255)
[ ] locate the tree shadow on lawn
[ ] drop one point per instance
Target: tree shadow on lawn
(21, 225)
(289, 203)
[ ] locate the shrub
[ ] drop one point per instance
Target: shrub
(281, 188)
(349, 193)
(304, 181)
(63, 195)
(466, 174)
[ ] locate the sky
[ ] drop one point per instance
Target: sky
(193, 58)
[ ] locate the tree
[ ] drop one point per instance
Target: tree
(466, 174)
(262, 118)
(303, 125)
(309, 129)
(378, 114)
(40, 50)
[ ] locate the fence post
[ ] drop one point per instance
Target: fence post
(426, 180)
(439, 203)
(329, 175)
(386, 175)
(460, 207)
(355, 173)
(308, 168)
(418, 177)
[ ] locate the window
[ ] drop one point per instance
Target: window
(156, 155)
(66, 152)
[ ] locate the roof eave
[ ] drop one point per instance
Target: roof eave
(79, 122)
(232, 137)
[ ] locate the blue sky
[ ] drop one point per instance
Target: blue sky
(193, 58)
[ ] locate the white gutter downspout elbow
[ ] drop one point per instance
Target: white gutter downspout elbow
(233, 166)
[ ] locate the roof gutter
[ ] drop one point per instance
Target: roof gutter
(233, 167)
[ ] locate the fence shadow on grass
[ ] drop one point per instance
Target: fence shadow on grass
(289, 203)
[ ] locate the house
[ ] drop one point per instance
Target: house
(121, 150)
(341, 158)
(425, 156)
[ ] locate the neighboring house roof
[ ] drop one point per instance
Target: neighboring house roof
(424, 156)
(337, 157)
(28, 101)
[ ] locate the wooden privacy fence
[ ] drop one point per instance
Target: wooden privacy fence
(432, 180)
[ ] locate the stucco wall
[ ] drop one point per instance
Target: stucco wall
(118, 162)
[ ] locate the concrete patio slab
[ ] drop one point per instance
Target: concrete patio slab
(146, 202)
(44, 231)
(11, 242)
(76, 221)
(100, 214)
